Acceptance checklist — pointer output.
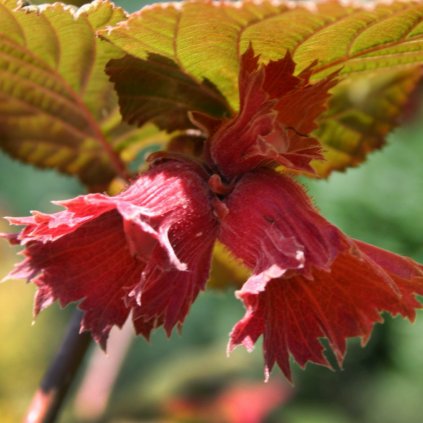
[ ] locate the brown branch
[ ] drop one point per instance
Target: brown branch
(47, 401)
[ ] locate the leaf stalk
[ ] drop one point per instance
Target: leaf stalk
(48, 399)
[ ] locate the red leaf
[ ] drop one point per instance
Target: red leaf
(277, 113)
(157, 90)
(292, 313)
(272, 226)
(91, 264)
(147, 250)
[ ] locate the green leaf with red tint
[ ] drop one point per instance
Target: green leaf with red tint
(361, 114)
(57, 106)
(54, 96)
(363, 42)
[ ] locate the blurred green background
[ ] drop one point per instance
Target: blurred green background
(381, 202)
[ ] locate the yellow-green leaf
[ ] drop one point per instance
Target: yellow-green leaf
(367, 43)
(57, 106)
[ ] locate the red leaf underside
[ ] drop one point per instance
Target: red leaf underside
(293, 313)
(147, 250)
(92, 264)
(281, 228)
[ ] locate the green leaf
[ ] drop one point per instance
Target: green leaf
(57, 106)
(364, 42)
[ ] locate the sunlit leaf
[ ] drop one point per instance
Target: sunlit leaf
(368, 45)
(57, 107)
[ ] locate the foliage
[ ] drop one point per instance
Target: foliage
(378, 68)
(239, 97)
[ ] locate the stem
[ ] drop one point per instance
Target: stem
(47, 401)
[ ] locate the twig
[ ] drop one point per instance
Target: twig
(48, 399)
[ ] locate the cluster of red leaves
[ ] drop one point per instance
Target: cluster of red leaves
(147, 251)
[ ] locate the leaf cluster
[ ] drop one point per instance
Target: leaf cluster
(65, 71)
